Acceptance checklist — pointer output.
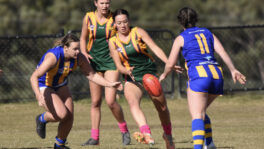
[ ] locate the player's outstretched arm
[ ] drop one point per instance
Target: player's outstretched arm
(236, 75)
(152, 45)
(91, 75)
(171, 64)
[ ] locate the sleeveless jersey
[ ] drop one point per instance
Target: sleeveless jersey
(134, 53)
(57, 76)
(97, 47)
(203, 71)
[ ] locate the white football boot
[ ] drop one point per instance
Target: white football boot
(210, 146)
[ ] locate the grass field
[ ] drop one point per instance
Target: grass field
(238, 123)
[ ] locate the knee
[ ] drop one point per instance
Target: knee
(96, 104)
(161, 106)
(112, 105)
(63, 116)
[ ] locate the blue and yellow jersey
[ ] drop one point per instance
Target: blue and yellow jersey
(97, 47)
(198, 52)
(133, 53)
(58, 75)
(198, 46)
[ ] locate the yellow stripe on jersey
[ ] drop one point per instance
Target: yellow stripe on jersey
(213, 71)
(220, 68)
(92, 27)
(138, 44)
(66, 70)
(198, 133)
(109, 30)
(201, 71)
(200, 43)
(205, 43)
(51, 73)
(121, 52)
(134, 41)
(75, 64)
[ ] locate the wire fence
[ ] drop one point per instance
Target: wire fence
(19, 56)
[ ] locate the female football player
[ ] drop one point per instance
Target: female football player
(97, 29)
(49, 83)
(205, 75)
(129, 51)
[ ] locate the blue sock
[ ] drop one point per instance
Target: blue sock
(208, 130)
(198, 133)
(41, 118)
(60, 142)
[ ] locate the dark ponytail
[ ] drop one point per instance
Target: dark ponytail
(187, 17)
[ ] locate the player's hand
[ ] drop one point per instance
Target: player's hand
(237, 76)
(117, 85)
(162, 77)
(88, 56)
(178, 69)
(130, 74)
(41, 100)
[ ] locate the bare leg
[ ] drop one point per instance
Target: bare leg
(133, 95)
(161, 106)
(197, 102)
(96, 99)
(65, 126)
(110, 96)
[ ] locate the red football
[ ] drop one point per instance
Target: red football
(152, 85)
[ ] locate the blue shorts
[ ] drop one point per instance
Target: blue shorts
(206, 78)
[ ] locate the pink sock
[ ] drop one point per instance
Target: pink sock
(95, 134)
(167, 128)
(123, 127)
(145, 129)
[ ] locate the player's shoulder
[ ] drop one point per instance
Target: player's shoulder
(113, 39)
(56, 51)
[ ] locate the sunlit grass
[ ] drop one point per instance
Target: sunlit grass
(237, 123)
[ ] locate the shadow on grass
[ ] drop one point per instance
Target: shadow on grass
(190, 141)
(28, 148)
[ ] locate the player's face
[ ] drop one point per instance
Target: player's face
(73, 49)
(103, 6)
(122, 24)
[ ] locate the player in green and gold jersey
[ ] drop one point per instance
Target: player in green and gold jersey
(129, 51)
(97, 28)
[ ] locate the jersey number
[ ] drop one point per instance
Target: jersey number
(201, 38)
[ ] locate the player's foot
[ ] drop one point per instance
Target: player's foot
(145, 138)
(126, 138)
(60, 147)
(210, 146)
(91, 141)
(169, 141)
(40, 128)
(148, 139)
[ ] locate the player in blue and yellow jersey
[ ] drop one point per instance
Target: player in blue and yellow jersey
(205, 75)
(97, 29)
(129, 51)
(49, 83)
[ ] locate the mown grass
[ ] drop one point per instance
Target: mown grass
(238, 123)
